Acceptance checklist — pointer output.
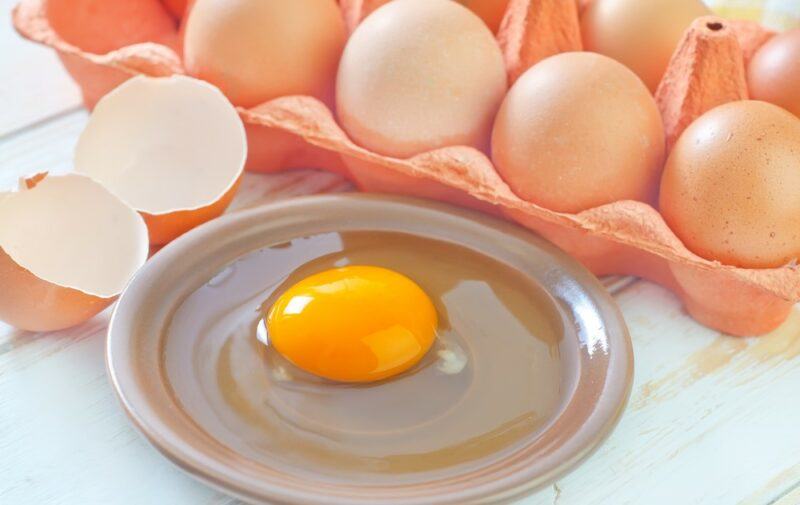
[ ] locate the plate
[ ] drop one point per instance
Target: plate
(595, 353)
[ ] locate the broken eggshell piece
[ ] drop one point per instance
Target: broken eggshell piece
(68, 247)
(173, 148)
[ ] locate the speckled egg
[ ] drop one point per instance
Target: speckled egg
(579, 130)
(731, 186)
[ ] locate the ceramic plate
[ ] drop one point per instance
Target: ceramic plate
(595, 353)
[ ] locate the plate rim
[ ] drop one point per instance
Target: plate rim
(614, 397)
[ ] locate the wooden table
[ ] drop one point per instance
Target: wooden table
(712, 419)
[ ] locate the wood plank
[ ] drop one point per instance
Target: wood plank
(33, 84)
(712, 419)
(48, 147)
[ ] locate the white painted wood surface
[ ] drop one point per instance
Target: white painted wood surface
(712, 419)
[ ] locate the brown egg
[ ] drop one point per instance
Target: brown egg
(642, 34)
(257, 50)
(731, 186)
(417, 75)
(578, 130)
(774, 72)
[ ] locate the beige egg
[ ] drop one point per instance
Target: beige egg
(257, 50)
(731, 186)
(774, 72)
(417, 75)
(579, 130)
(642, 34)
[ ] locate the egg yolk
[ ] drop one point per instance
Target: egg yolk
(353, 324)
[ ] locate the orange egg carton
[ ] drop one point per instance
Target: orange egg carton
(624, 237)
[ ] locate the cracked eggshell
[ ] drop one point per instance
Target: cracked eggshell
(418, 75)
(68, 247)
(173, 148)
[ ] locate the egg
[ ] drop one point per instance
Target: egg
(774, 72)
(642, 34)
(731, 186)
(417, 75)
(579, 130)
(100, 26)
(353, 324)
(257, 50)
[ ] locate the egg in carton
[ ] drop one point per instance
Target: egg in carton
(621, 237)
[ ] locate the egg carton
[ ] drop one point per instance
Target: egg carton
(624, 237)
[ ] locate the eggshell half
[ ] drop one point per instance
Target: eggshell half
(173, 148)
(579, 130)
(731, 186)
(417, 75)
(68, 247)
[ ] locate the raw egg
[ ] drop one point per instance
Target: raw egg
(417, 75)
(774, 72)
(642, 34)
(731, 186)
(579, 130)
(353, 324)
(257, 50)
